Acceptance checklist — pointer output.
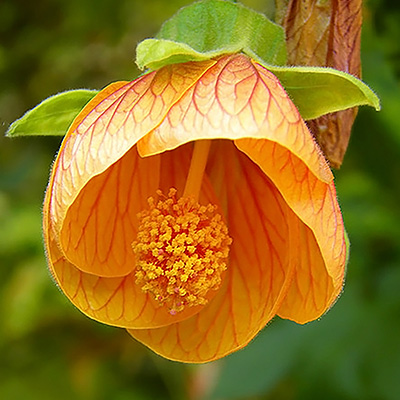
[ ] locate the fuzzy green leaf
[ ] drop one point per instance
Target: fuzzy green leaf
(317, 90)
(156, 53)
(210, 28)
(53, 116)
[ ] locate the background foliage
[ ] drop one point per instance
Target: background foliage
(49, 350)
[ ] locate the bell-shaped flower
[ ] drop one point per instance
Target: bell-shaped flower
(191, 206)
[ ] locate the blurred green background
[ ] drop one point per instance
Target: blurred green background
(49, 350)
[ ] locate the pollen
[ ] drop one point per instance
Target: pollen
(181, 251)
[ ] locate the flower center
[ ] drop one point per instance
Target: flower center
(181, 251)
(182, 247)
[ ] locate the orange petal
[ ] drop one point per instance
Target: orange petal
(312, 290)
(236, 98)
(105, 130)
(259, 272)
(316, 285)
(101, 223)
(117, 300)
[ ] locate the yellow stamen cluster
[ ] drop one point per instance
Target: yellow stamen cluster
(181, 251)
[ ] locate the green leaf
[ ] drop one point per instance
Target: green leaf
(318, 90)
(210, 28)
(52, 116)
(156, 53)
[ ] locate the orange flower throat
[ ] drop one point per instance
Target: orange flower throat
(182, 246)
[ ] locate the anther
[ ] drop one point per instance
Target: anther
(181, 251)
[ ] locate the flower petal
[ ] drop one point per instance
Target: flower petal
(237, 98)
(101, 224)
(263, 258)
(105, 130)
(117, 300)
(312, 291)
(315, 203)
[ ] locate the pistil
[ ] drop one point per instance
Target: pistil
(197, 168)
(182, 247)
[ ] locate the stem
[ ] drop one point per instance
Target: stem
(196, 169)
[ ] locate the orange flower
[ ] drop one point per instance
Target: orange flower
(191, 206)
